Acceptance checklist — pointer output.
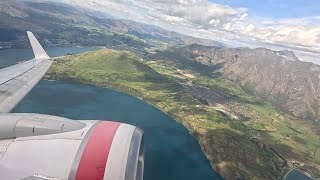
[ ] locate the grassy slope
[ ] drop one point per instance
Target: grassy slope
(295, 139)
(225, 141)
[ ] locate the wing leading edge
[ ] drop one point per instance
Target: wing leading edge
(16, 81)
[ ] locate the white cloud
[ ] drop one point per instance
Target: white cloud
(249, 28)
(205, 19)
(243, 16)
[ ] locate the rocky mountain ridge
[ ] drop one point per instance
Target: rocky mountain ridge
(277, 76)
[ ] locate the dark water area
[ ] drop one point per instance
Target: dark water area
(171, 152)
(12, 56)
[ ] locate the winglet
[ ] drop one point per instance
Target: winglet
(38, 51)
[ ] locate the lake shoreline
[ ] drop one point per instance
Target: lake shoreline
(222, 140)
(166, 138)
(144, 100)
(123, 92)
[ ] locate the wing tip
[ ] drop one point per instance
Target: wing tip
(39, 52)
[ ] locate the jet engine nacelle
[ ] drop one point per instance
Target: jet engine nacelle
(48, 147)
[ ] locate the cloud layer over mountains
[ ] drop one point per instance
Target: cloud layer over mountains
(202, 18)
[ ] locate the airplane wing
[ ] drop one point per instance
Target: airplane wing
(16, 81)
(45, 147)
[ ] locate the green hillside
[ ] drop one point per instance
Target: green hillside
(236, 147)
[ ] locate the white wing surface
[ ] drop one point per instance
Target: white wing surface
(16, 81)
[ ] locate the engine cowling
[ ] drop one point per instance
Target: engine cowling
(61, 148)
(112, 151)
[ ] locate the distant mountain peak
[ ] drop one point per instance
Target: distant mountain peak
(289, 55)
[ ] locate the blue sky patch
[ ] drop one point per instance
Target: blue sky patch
(277, 8)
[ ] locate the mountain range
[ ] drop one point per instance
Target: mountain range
(59, 24)
(276, 76)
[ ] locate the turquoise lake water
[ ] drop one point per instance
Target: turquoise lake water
(171, 152)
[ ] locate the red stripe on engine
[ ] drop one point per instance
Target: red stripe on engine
(95, 155)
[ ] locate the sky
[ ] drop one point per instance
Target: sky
(275, 24)
(276, 8)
